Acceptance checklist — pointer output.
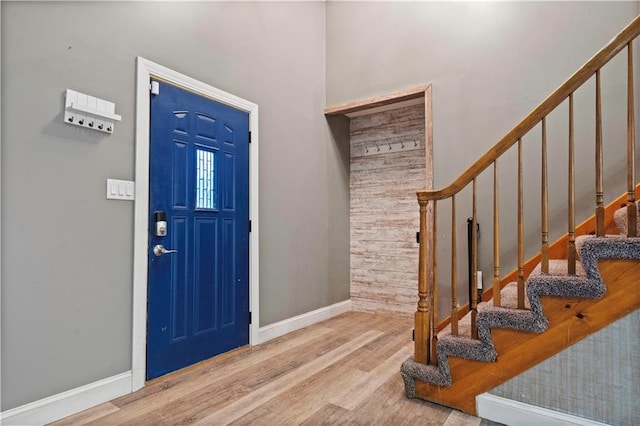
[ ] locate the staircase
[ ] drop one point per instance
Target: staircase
(581, 283)
(607, 276)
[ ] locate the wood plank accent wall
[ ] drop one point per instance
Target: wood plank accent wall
(384, 211)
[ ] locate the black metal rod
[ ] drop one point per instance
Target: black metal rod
(472, 285)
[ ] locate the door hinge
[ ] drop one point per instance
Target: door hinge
(154, 88)
(250, 318)
(249, 136)
(249, 225)
(418, 237)
(413, 335)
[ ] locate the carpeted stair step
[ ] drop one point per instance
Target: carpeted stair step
(558, 283)
(507, 315)
(592, 248)
(509, 302)
(462, 345)
(508, 299)
(620, 219)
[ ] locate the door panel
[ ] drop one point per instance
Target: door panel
(198, 297)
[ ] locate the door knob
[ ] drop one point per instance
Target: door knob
(159, 250)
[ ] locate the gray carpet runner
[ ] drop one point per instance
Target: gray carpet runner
(587, 284)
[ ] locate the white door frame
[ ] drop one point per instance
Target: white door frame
(145, 70)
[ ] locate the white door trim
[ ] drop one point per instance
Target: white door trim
(146, 69)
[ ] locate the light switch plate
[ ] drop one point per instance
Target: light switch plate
(120, 189)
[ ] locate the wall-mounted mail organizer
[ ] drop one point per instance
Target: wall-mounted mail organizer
(90, 112)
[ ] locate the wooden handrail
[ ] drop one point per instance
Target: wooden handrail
(618, 43)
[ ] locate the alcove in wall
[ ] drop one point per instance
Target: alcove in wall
(390, 141)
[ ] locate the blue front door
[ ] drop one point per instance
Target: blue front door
(198, 295)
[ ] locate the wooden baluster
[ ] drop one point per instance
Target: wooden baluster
(600, 229)
(433, 297)
(422, 326)
(571, 249)
(454, 270)
(632, 210)
(474, 265)
(496, 238)
(520, 228)
(544, 250)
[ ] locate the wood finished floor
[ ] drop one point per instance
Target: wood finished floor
(343, 371)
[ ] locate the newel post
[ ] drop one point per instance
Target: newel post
(422, 316)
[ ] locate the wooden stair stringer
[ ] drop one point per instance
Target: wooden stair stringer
(570, 320)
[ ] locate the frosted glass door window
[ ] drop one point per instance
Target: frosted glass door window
(206, 194)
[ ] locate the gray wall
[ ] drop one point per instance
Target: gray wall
(67, 252)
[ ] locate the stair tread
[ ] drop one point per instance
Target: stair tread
(508, 300)
(582, 239)
(558, 267)
(620, 219)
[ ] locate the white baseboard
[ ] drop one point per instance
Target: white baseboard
(514, 413)
(283, 327)
(64, 404)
